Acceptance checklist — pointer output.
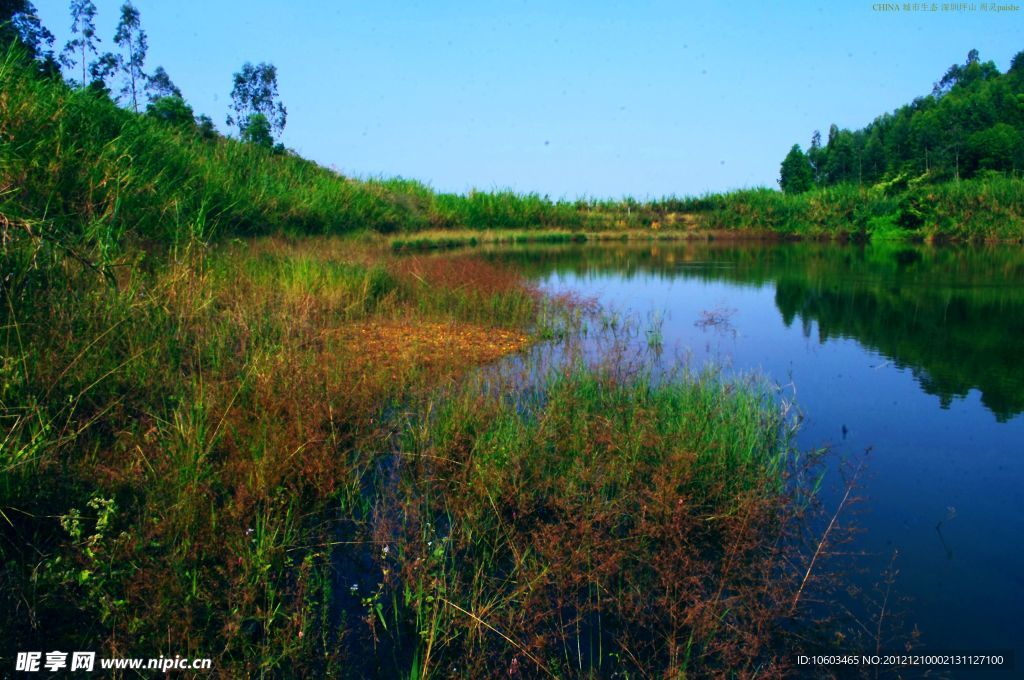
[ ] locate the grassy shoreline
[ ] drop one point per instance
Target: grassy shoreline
(81, 170)
(441, 240)
(212, 452)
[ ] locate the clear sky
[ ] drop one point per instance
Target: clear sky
(599, 99)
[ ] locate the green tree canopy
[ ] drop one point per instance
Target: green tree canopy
(102, 70)
(255, 92)
(257, 131)
(171, 109)
(160, 85)
(971, 122)
(206, 127)
(19, 22)
(796, 174)
(999, 147)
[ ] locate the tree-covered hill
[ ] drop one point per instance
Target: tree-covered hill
(971, 123)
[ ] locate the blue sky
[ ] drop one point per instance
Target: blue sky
(569, 99)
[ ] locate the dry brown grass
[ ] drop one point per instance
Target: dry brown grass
(397, 346)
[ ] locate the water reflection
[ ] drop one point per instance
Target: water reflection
(914, 353)
(954, 317)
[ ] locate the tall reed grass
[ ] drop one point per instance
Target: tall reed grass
(597, 523)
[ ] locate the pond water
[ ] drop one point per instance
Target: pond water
(915, 354)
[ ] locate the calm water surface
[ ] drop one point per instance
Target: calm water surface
(914, 353)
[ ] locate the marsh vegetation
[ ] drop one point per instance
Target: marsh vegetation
(242, 417)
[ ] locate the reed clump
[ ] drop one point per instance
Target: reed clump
(597, 523)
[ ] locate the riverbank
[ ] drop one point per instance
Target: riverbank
(460, 238)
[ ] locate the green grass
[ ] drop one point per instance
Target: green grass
(590, 524)
(191, 448)
(195, 438)
(210, 402)
(984, 208)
